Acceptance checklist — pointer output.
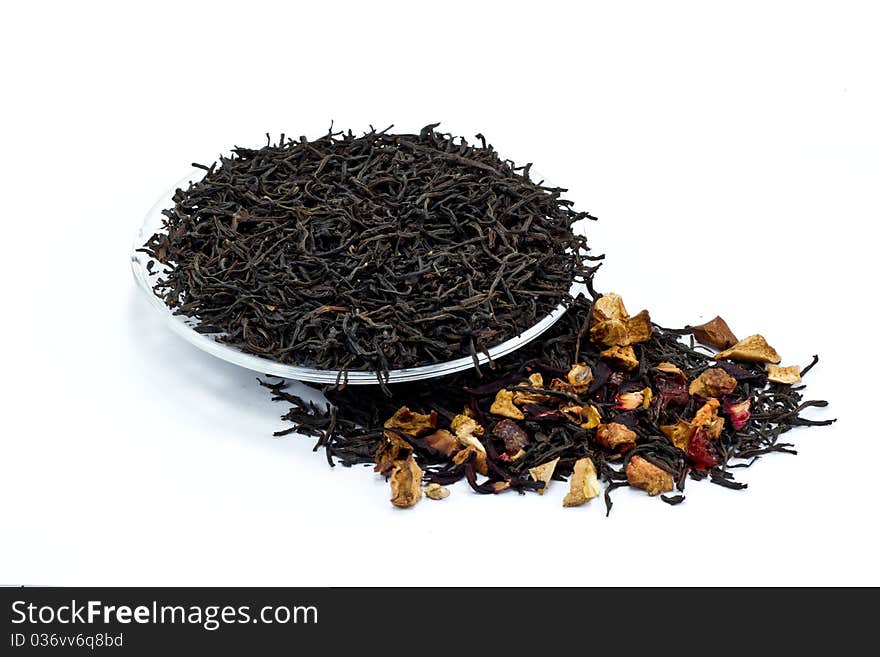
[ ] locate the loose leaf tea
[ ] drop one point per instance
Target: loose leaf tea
(376, 252)
(567, 407)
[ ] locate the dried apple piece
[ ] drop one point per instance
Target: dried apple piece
(443, 442)
(410, 423)
(466, 434)
(753, 349)
(406, 482)
(391, 449)
(713, 382)
(584, 483)
(787, 375)
(465, 418)
(670, 368)
(436, 492)
(643, 474)
(610, 323)
(621, 357)
(521, 397)
(503, 406)
(706, 418)
(679, 434)
(615, 437)
(580, 376)
(544, 472)
(607, 307)
(715, 333)
(638, 329)
(586, 416)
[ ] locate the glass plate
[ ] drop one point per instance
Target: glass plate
(184, 326)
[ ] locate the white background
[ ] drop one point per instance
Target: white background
(730, 153)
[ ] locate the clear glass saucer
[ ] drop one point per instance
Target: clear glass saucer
(185, 326)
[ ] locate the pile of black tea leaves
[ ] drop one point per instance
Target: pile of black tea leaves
(602, 400)
(368, 253)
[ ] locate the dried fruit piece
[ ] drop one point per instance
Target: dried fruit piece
(786, 375)
(406, 482)
(679, 433)
(643, 474)
(410, 423)
(391, 449)
(503, 406)
(621, 357)
(442, 441)
(671, 387)
(512, 435)
(586, 416)
(563, 386)
(466, 434)
(465, 418)
(638, 328)
(607, 307)
(544, 472)
(584, 484)
(739, 413)
(611, 325)
(700, 452)
(715, 333)
(580, 376)
(706, 418)
(629, 401)
(436, 492)
(479, 458)
(753, 349)
(670, 368)
(615, 436)
(523, 397)
(713, 382)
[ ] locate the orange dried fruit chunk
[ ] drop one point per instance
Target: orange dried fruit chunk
(753, 349)
(715, 333)
(503, 406)
(643, 474)
(713, 382)
(615, 436)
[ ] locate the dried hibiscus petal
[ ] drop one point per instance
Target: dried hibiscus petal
(512, 435)
(739, 413)
(671, 390)
(701, 452)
